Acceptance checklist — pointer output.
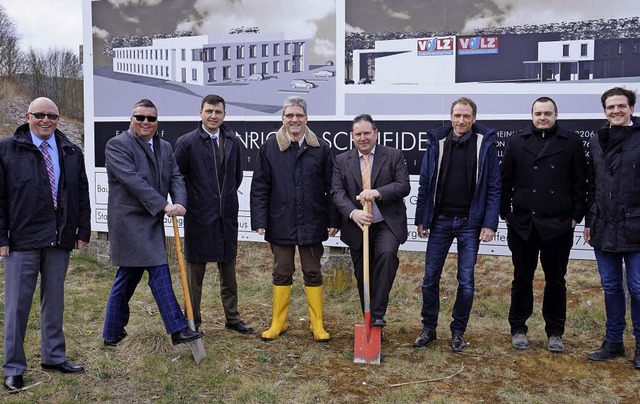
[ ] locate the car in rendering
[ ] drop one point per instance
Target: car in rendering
(300, 83)
(256, 77)
(323, 73)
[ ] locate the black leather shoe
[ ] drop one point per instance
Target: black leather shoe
(457, 343)
(240, 327)
(378, 322)
(114, 342)
(608, 350)
(186, 335)
(13, 383)
(427, 337)
(64, 367)
(636, 360)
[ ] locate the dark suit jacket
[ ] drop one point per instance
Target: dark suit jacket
(389, 175)
(545, 189)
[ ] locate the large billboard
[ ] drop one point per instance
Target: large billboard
(403, 62)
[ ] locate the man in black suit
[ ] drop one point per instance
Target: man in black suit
(389, 180)
(543, 198)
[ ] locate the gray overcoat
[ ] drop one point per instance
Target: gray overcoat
(139, 181)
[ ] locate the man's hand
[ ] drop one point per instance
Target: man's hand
(260, 231)
(422, 232)
(174, 210)
(486, 234)
(368, 195)
(361, 218)
(333, 231)
(80, 244)
(586, 233)
(4, 251)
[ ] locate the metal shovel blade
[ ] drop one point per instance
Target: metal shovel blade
(197, 346)
(366, 344)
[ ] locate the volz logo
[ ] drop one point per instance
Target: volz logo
(435, 46)
(477, 45)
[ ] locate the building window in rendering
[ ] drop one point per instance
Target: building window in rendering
(226, 52)
(565, 50)
(212, 74)
(584, 49)
(265, 50)
(240, 71)
(253, 51)
(226, 72)
(240, 52)
(194, 74)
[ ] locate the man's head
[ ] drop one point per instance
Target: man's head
(364, 133)
(544, 113)
(42, 117)
(144, 119)
(618, 104)
(294, 116)
(212, 112)
(463, 115)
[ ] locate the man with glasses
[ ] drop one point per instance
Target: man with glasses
(142, 171)
(45, 214)
(210, 159)
(291, 206)
(612, 226)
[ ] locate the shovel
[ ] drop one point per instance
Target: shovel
(366, 345)
(197, 347)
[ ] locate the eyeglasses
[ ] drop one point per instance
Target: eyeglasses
(41, 115)
(141, 118)
(291, 116)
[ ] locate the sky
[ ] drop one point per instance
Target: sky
(464, 16)
(46, 24)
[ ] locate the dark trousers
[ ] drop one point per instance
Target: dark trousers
(383, 266)
(127, 278)
(554, 257)
(228, 289)
(284, 263)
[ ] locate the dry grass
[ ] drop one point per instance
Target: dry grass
(294, 368)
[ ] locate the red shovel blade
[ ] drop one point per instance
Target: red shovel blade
(366, 345)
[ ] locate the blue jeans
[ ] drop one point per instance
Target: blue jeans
(441, 236)
(610, 268)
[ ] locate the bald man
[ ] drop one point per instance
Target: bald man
(45, 214)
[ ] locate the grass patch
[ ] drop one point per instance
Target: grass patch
(145, 367)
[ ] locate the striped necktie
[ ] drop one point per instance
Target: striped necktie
(44, 147)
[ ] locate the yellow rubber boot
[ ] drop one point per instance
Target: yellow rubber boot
(314, 298)
(281, 295)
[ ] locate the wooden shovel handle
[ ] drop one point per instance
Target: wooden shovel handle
(183, 270)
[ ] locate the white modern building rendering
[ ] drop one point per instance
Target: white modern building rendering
(563, 60)
(407, 61)
(206, 60)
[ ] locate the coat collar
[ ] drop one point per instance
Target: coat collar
(284, 141)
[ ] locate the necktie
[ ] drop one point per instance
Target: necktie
(44, 147)
(366, 177)
(216, 159)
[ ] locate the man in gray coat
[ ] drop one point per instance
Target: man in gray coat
(141, 170)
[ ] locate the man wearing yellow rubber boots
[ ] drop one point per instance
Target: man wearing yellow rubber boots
(291, 206)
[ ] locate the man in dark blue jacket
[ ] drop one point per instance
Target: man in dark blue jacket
(458, 197)
(45, 214)
(291, 206)
(210, 159)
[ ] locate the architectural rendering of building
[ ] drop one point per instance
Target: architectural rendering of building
(206, 60)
